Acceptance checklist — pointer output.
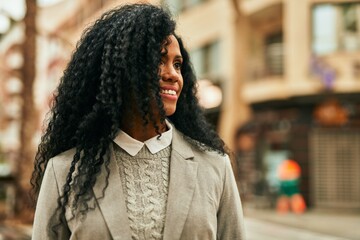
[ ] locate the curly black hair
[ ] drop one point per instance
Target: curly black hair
(117, 59)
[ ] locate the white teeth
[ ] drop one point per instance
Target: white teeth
(170, 92)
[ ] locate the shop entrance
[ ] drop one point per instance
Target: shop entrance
(335, 166)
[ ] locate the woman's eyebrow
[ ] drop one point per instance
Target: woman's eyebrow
(166, 56)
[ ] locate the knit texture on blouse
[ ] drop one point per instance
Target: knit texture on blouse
(145, 179)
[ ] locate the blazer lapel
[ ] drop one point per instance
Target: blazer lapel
(183, 173)
(115, 215)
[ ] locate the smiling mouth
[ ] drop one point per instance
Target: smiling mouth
(168, 92)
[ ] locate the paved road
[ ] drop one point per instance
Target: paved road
(255, 230)
(262, 230)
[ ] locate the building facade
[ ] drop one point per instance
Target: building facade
(296, 66)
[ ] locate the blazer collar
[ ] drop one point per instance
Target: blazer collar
(181, 145)
(112, 201)
(183, 174)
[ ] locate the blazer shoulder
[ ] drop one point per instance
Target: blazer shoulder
(211, 158)
(190, 148)
(64, 158)
(61, 164)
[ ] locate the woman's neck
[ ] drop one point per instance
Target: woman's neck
(139, 131)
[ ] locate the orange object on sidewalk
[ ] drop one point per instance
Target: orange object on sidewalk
(289, 173)
(282, 205)
(298, 205)
(289, 170)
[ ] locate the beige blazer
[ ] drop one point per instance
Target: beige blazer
(203, 201)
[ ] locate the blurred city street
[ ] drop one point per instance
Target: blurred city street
(318, 225)
(266, 224)
(259, 229)
(279, 80)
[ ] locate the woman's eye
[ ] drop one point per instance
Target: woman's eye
(178, 65)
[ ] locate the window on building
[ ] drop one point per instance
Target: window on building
(274, 54)
(335, 27)
(206, 61)
(177, 6)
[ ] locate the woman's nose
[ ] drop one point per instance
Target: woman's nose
(169, 73)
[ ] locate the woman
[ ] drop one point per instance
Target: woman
(127, 153)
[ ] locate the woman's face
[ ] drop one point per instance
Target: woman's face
(171, 81)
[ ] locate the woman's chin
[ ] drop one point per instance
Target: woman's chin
(170, 110)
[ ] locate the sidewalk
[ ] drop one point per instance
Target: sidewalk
(340, 224)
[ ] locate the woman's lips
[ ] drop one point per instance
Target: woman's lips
(168, 93)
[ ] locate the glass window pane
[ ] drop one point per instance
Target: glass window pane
(214, 59)
(206, 61)
(350, 39)
(190, 3)
(197, 59)
(175, 6)
(324, 29)
(274, 54)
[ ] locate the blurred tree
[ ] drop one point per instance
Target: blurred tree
(29, 121)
